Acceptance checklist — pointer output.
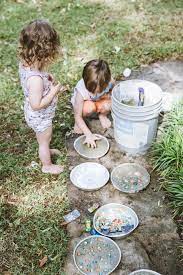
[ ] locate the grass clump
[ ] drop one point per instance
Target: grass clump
(168, 157)
(168, 152)
(175, 190)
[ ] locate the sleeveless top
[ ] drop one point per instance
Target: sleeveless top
(43, 116)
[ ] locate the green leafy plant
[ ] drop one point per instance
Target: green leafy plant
(175, 190)
(169, 152)
(168, 157)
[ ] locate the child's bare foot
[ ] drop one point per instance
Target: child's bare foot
(77, 130)
(105, 122)
(55, 152)
(52, 169)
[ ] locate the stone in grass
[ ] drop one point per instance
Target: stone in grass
(127, 72)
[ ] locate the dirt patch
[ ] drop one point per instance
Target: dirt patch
(154, 244)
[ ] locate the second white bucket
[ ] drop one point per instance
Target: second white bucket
(135, 127)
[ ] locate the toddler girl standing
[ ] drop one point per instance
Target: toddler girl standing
(38, 46)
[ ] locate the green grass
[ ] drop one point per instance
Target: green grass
(32, 204)
(175, 191)
(168, 157)
(169, 151)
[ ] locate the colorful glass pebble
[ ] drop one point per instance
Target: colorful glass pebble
(108, 226)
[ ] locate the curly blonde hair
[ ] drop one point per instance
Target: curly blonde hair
(38, 42)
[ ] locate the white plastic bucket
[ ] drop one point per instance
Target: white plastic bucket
(135, 127)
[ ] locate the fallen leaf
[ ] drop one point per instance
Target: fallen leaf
(63, 223)
(43, 261)
(13, 200)
(19, 1)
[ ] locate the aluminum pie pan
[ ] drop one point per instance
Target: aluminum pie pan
(144, 272)
(110, 212)
(89, 176)
(122, 172)
(115, 253)
(92, 153)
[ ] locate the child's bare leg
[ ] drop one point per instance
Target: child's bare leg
(103, 108)
(88, 109)
(44, 139)
(105, 121)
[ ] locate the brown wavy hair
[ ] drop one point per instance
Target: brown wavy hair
(40, 42)
(96, 73)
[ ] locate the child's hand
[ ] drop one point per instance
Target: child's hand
(55, 89)
(58, 88)
(63, 88)
(90, 140)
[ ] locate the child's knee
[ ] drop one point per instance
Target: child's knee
(104, 107)
(89, 108)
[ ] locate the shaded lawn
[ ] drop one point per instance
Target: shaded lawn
(126, 35)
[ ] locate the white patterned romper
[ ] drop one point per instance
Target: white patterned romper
(40, 120)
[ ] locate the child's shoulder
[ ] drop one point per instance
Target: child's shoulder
(80, 84)
(80, 88)
(29, 72)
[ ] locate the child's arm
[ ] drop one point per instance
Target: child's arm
(36, 99)
(78, 115)
(113, 82)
